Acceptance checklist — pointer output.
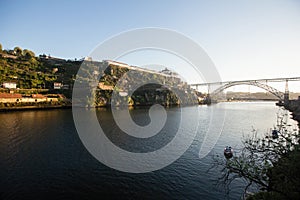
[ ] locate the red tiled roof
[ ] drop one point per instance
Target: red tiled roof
(39, 96)
(8, 95)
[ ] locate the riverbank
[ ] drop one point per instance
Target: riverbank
(294, 107)
(36, 107)
(284, 176)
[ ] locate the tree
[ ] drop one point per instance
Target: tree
(18, 51)
(28, 54)
(260, 161)
(0, 47)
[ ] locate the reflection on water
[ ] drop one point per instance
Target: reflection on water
(41, 155)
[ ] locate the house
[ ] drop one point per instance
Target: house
(10, 98)
(166, 71)
(54, 97)
(9, 85)
(54, 70)
(87, 58)
(57, 86)
(38, 97)
(33, 98)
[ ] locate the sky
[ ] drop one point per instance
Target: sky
(252, 39)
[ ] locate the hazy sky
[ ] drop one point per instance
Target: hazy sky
(245, 39)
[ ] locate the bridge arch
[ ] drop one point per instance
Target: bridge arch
(272, 90)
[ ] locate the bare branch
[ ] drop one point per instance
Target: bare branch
(257, 157)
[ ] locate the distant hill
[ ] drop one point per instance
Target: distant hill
(256, 96)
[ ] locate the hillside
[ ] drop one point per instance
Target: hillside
(33, 74)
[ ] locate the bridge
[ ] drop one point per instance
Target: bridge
(261, 83)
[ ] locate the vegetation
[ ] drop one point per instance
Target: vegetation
(269, 163)
(31, 72)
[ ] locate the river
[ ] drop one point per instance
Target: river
(42, 156)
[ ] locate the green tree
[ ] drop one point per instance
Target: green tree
(28, 54)
(0, 47)
(18, 51)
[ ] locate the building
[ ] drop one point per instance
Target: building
(166, 71)
(9, 85)
(10, 98)
(119, 64)
(57, 86)
(54, 70)
(33, 98)
(87, 58)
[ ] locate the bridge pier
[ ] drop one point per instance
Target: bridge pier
(207, 100)
(286, 99)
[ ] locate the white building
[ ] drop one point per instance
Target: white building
(57, 85)
(9, 85)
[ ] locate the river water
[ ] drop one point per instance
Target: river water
(42, 156)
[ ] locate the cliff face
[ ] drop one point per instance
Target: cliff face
(120, 85)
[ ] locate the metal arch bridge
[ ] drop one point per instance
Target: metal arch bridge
(272, 90)
(261, 83)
